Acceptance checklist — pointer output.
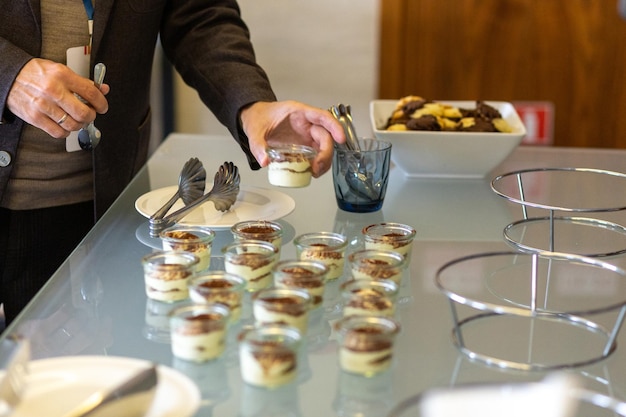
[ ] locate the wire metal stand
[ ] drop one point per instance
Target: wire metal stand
(538, 322)
(541, 231)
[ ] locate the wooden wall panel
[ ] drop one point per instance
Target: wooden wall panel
(569, 52)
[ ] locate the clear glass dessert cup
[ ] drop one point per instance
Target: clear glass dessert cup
(389, 236)
(266, 230)
(219, 287)
(166, 274)
(268, 355)
(375, 264)
(366, 344)
(198, 331)
(309, 276)
(252, 260)
(282, 305)
(290, 165)
(325, 247)
(195, 239)
(363, 297)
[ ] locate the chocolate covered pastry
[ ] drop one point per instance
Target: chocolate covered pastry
(417, 113)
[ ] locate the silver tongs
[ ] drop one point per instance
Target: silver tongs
(357, 177)
(223, 195)
(343, 114)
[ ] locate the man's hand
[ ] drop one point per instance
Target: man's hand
(292, 122)
(44, 92)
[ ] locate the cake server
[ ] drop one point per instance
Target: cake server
(134, 396)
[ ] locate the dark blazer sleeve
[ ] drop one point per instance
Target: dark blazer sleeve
(211, 49)
(13, 59)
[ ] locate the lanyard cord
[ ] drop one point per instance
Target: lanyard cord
(89, 9)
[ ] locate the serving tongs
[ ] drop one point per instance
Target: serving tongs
(223, 195)
(191, 184)
(343, 114)
(357, 177)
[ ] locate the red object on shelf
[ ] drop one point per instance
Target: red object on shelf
(538, 117)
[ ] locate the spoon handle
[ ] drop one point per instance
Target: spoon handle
(343, 115)
(98, 74)
(166, 207)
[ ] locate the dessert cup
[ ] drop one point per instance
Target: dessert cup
(309, 276)
(325, 247)
(269, 355)
(290, 165)
(369, 297)
(366, 344)
(374, 264)
(166, 274)
(195, 239)
(198, 331)
(265, 230)
(252, 260)
(282, 305)
(219, 287)
(394, 237)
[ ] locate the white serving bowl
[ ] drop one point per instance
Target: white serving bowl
(448, 154)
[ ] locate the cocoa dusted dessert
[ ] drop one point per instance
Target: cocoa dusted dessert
(334, 259)
(290, 166)
(220, 291)
(268, 363)
(265, 230)
(324, 247)
(298, 277)
(373, 268)
(282, 305)
(252, 260)
(198, 331)
(366, 344)
(268, 355)
(368, 302)
(194, 239)
(167, 282)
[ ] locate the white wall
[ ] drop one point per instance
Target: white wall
(321, 52)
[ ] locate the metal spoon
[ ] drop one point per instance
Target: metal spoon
(357, 177)
(89, 136)
(223, 194)
(191, 184)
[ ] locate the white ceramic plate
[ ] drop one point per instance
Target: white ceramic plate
(57, 385)
(253, 203)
